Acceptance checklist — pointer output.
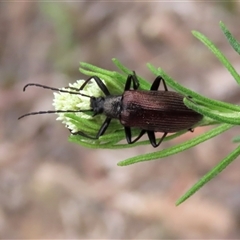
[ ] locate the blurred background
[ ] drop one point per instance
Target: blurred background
(51, 188)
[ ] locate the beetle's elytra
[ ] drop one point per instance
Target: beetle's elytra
(161, 111)
(150, 111)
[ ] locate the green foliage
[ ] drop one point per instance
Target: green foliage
(215, 112)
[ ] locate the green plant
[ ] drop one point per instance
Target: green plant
(223, 114)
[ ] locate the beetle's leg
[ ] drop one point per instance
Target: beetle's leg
(129, 135)
(152, 138)
(84, 84)
(132, 78)
(101, 131)
(157, 82)
(99, 82)
(135, 81)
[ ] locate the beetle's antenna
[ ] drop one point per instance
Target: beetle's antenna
(54, 111)
(55, 89)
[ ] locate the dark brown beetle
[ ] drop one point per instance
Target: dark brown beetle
(151, 111)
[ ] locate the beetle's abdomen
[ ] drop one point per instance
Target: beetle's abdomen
(158, 111)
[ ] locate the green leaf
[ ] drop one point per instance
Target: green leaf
(210, 175)
(224, 117)
(218, 54)
(233, 42)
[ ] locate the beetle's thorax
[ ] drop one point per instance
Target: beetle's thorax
(109, 105)
(112, 106)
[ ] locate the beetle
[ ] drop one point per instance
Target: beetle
(149, 110)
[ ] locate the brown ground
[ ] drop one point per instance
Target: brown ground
(50, 188)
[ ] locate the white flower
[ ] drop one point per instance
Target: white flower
(68, 101)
